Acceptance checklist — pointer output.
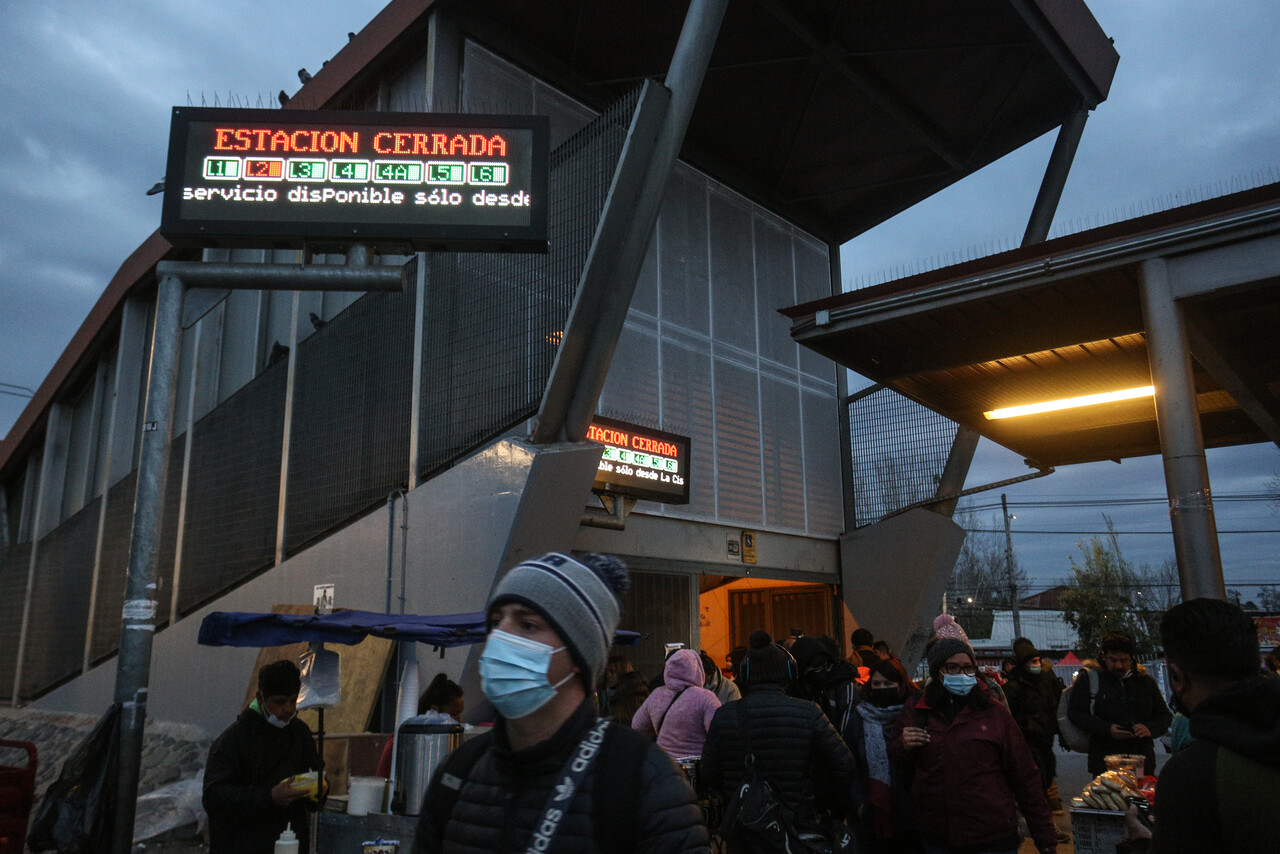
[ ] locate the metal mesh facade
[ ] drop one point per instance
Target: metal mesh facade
(900, 449)
(493, 322)
(353, 393)
(59, 610)
(235, 489)
(13, 586)
(114, 567)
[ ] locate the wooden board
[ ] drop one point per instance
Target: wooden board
(362, 668)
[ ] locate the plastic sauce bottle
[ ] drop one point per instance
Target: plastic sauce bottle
(288, 841)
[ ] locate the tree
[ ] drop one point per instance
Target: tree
(1269, 598)
(1159, 589)
(980, 581)
(1101, 597)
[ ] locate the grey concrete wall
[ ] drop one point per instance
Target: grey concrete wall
(508, 502)
(895, 572)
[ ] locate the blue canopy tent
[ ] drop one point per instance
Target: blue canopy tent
(239, 628)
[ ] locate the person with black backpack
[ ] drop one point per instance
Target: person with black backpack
(783, 741)
(552, 776)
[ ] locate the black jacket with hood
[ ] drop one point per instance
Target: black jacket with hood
(1219, 793)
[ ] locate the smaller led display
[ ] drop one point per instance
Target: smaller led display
(641, 462)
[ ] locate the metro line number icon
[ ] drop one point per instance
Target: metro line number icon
(269, 178)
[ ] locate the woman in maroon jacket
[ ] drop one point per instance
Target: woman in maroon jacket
(973, 771)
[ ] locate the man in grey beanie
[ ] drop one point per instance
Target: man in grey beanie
(552, 775)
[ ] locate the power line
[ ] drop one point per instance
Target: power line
(1116, 501)
(1106, 533)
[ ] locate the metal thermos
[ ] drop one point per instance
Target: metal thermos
(419, 749)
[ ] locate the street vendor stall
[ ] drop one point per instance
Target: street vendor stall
(340, 831)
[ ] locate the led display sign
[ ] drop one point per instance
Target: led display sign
(291, 177)
(641, 462)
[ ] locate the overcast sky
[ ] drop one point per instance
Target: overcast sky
(86, 90)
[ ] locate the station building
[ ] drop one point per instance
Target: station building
(407, 448)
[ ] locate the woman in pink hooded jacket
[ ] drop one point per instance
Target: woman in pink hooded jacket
(678, 713)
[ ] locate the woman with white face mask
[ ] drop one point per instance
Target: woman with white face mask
(972, 769)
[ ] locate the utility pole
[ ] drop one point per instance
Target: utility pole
(1008, 565)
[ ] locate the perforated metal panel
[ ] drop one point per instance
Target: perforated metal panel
(900, 450)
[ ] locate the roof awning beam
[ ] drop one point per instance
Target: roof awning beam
(1231, 370)
(882, 95)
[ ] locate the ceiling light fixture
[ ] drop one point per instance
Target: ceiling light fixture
(1070, 403)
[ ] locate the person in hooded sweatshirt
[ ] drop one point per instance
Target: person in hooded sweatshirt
(1219, 793)
(722, 686)
(678, 713)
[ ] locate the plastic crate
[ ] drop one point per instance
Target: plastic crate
(17, 795)
(1097, 831)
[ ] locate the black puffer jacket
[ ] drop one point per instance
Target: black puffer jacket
(248, 759)
(506, 793)
(794, 744)
(1033, 702)
(1134, 699)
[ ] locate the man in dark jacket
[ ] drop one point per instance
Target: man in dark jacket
(534, 782)
(1129, 712)
(825, 678)
(246, 790)
(794, 745)
(1033, 690)
(1218, 794)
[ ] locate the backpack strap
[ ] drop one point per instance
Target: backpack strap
(615, 795)
(658, 729)
(453, 774)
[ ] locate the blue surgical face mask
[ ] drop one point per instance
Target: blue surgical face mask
(1033, 668)
(959, 683)
(513, 674)
(277, 722)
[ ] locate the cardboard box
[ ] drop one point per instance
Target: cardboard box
(1097, 831)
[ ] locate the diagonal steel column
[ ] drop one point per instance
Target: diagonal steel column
(622, 238)
(1046, 205)
(1186, 472)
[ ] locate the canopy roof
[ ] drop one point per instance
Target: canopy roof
(1064, 319)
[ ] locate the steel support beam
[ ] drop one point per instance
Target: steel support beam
(1055, 177)
(1042, 213)
(138, 617)
(285, 277)
(1186, 472)
(626, 227)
